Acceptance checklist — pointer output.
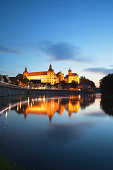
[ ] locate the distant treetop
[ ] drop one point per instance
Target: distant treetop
(106, 84)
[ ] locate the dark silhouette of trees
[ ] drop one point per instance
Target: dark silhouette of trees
(106, 104)
(86, 82)
(74, 84)
(106, 84)
(63, 84)
(20, 78)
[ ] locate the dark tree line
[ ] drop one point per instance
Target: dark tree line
(19, 78)
(106, 104)
(65, 85)
(106, 84)
(86, 81)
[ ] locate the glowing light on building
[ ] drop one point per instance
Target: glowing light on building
(9, 106)
(6, 114)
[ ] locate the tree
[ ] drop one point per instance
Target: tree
(20, 78)
(106, 84)
(74, 84)
(63, 84)
(106, 104)
(87, 82)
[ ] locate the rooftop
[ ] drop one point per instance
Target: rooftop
(37, 73)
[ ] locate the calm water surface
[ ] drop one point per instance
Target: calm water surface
(74, 132)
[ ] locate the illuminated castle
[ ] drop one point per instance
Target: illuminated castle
(72, 77)
(50, 76)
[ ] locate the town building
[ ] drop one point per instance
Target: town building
(60, 75)
(71, 77)
(45, 76)
(50, 76)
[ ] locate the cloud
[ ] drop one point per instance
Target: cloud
(102, 70)
(61, 51)
(8, 51)
(111, 66)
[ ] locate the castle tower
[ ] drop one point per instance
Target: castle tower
(25, 73)
(50, 67)
(25, 69)
(69, 72)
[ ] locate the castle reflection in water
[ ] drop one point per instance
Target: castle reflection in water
(51, 106)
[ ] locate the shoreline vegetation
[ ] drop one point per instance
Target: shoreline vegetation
(106, 85)
(106, 104)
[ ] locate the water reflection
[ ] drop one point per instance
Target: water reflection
(87, 100)
(65, 143)
(49, 106)
(107, 104)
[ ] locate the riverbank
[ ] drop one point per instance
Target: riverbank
(6, 90)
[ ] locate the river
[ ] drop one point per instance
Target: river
(68, 132)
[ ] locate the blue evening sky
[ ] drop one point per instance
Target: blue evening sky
(76, 34)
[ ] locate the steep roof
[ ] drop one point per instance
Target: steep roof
(57, 73)
(37, 73)
(72, 74)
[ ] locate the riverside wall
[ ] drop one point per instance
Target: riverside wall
(10, 90)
